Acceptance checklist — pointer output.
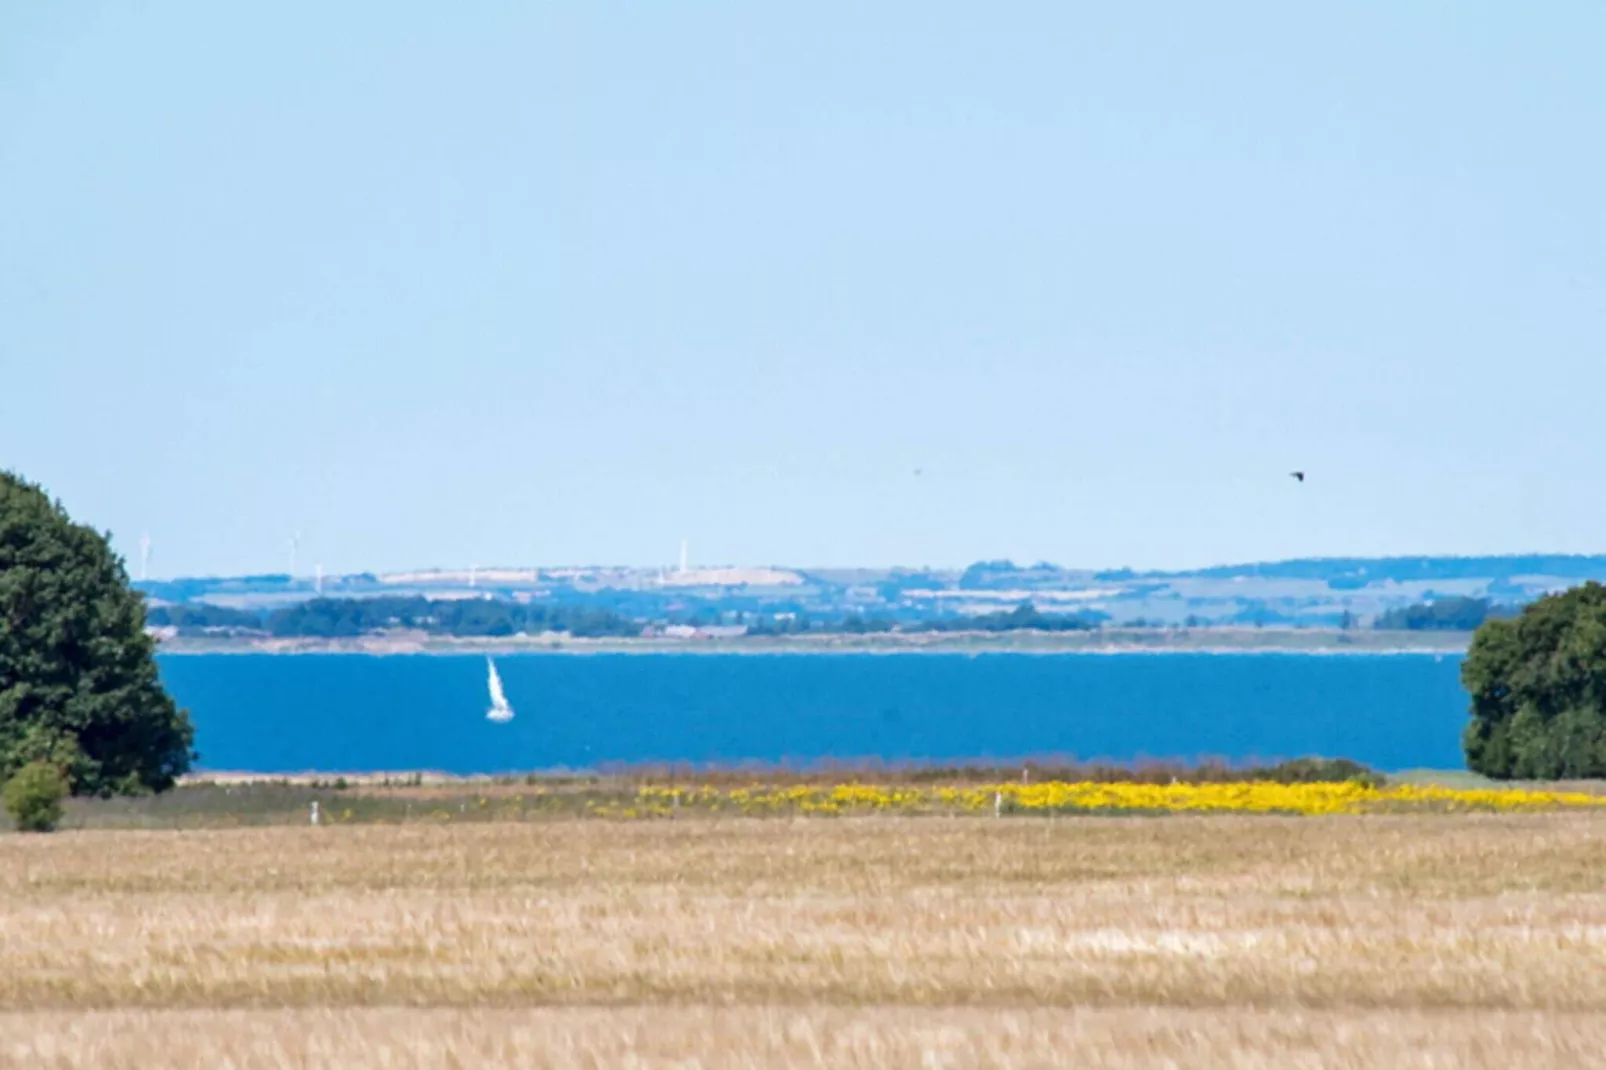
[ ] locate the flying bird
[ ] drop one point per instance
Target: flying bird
(1298, 475)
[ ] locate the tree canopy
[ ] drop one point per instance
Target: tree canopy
(1538, 687)
(78, 680)
(1453, 614)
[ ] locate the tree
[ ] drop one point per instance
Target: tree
(1538, 688)
(78, 681)
(33, 797)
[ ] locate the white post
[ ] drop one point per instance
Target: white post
(315, 811)
(998, 804)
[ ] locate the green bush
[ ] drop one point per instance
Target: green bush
(1322, 771)
(33, 797)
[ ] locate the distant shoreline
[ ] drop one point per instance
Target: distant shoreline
(1106, 642)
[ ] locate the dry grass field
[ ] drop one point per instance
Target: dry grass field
(1195, 941)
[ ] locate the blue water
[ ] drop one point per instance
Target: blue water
(283, 714)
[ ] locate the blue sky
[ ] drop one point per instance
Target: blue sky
(515, 283)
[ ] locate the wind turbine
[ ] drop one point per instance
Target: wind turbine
(144, 557)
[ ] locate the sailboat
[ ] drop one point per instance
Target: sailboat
(500, 711)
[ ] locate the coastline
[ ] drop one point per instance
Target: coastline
(1216, 641)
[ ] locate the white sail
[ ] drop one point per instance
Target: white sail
(498, 696)
(500, 710)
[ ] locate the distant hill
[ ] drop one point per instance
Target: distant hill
(1405, 593)
(1397, 569)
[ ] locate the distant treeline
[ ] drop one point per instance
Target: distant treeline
(1442, 615)
(199, 616)
(336, 618)
(1022, 618)
(1025, 617)
(1035, 769)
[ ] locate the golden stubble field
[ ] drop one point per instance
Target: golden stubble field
(1443, 940)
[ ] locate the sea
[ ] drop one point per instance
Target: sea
(336, 713)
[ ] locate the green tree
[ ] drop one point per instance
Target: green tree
(78, 681)
(33, 797)
(1538, 688)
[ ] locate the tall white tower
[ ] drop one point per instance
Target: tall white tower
(295, 544)
(683, 568)
(317, 579)
(145, 557)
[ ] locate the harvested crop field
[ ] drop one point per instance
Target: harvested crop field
(1233, 940)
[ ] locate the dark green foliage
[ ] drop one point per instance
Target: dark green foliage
(201, 617)
(980, 574)
(856, 624)
(1538, 687)
(33, 797)
(1024, 617)
(78, 682)
(1441, 615)
(893, 588)
(330, 618)
(1318, 771)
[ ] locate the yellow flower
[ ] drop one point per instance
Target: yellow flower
(1089, 797)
